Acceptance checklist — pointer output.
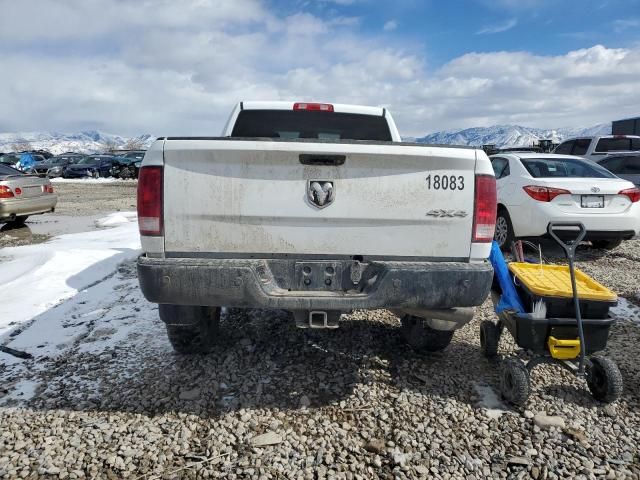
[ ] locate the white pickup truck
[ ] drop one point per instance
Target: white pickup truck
(317, 209)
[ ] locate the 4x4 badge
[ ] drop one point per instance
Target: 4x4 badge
(320, 193)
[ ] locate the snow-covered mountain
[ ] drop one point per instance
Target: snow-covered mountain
(90, 141)
(509, 135)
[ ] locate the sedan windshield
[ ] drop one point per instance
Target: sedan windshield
(563, 168)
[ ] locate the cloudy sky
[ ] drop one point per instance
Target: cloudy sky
(178, 66)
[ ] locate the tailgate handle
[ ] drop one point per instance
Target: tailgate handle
(311, 159)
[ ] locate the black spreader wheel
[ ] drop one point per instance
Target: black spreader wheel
(489, 338)
(514, 381)
(604, 379)
(421, 337)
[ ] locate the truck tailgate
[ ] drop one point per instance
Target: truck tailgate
(250, 197)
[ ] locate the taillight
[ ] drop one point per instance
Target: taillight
(544, 194)
(317, 107)
(150, 201)
(5, 192)
(485, 208)
(47, 188)
(632, 193)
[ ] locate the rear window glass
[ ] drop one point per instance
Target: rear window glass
(5, 170)
(565, 148)
(564, 167)
(580, 146)
(617, 144)
(310, 124)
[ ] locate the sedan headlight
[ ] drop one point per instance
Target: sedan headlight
(55, 170)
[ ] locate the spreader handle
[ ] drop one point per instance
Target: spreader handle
(570, 251)
(570, 247)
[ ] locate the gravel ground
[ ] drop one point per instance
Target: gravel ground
(79, 204)
(277, 402)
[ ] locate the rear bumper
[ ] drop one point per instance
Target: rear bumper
(27, 206)
(533, 221)
(259, 283)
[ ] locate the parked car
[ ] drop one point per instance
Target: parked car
(536, 188)
(317, 209)
(28, 161)
(10, 159)
(54, 166)
(624, 165)
(596, 148)
(128, 165)
(90, 166)
(22, 195)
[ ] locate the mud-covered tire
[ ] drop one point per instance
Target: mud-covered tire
(514, 381)
(191, 329)
(604, 379)
(606, 244)
(489, 338)
(504, 235)
(421, 337)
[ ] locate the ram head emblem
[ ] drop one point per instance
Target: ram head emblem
(320, 193)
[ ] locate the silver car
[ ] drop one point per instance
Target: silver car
(22, 195)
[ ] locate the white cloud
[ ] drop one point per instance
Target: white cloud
(390, 26)
(181, 73)
(515, 4)
(623, 24)
(498, 28)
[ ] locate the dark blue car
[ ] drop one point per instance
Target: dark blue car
(90, 166)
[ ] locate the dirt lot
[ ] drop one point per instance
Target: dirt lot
(79, 205)
(104, 396)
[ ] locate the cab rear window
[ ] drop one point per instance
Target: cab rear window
(564, 168)
(617, 144)
(310, 124)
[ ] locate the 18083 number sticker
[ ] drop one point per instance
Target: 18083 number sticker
(445, 182)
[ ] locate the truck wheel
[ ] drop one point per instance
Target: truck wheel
(489, 338)
(514, 381)
(504, 230)
(191, 329)
(422, 337)
(604, 379)
(606, 244)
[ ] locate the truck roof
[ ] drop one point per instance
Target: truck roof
(337, 107)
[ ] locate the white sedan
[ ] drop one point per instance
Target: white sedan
(536, 188)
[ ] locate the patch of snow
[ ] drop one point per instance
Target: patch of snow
(38, 277)
(117, 219)
(22, 391)
(490, 401)
(625, 311)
